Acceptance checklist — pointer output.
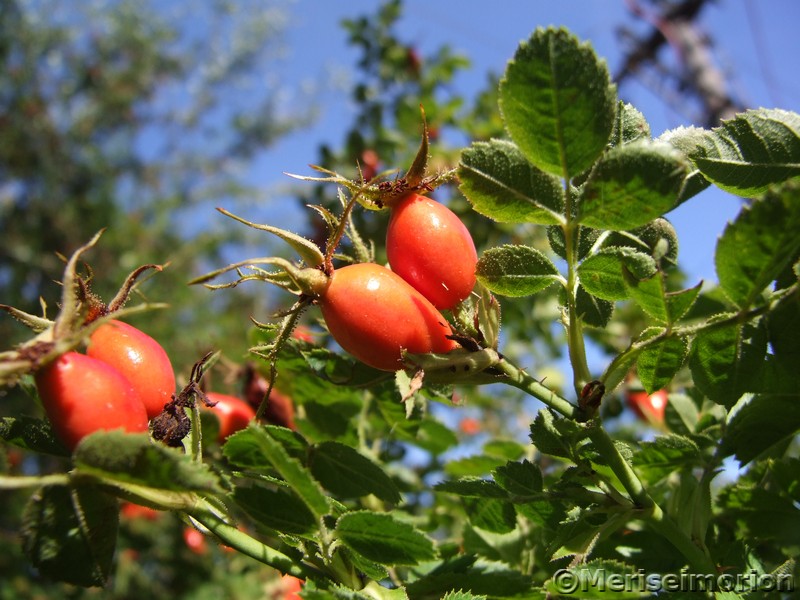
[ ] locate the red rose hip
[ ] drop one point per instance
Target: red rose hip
(81, 395)
(430, 248)
(374, 314)
(138, 357)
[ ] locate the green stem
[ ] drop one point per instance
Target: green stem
(699, 559)
(251, 547)
(521, 380)
(577, 350)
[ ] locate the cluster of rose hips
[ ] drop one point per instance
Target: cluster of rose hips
(375, 313)
(124, 380)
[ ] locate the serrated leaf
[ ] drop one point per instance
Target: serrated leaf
(752, 151)
(558, 102)
(629, 125)
(679, 303)
(31, 434)
(115, 456)
(587, 237)
(470, 466)
(243, 449)
(650, 294)
(554, 435)
(659, 458)
(349, 474)
(681, 414)
(632, 185)
(756, 248)
(491, 514)
(764, 421)
(69, 534)
(474, 487)
(686, 140)
(275, 508)
(658, 363)
(516, 270)
(501, 184)
(760, 513)
(725, 362)
(292, 471)
(519, 478)
(601, 579)
(460, 595)
(603, 274)
(593, 311)
(463, 574)
(382, 538)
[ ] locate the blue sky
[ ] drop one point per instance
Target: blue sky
(756, 44)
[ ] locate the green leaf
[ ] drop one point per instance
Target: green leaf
(658, 239)
(469, 466)
(602, 579)
(681, 415)
(115, 456)
(657, 459)
(555, 435)
(726, 361)
(277, 509)
(485, 579)
(756, 248)
(751, 152)
(502, 185)
(603, 274)
(472, 487)
(519, 478)
(587, 237)
(658, 363)
(787, 473)
(762, 422)
(760, 514)
(686, 140)
(650, 294)
(292, 471)
(31, 434)
(69, 534)
(632, 185)
(593, 311)
(516, 270)
(459, 595)
(558, 102)
(491, 514)
(504, 448)
(244, 450)
(629, 126)
(382, 538)
(679, 303)
(349, 474)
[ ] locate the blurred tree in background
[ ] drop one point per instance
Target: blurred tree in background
(132, 118)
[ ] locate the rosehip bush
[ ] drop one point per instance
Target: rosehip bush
(368, 494)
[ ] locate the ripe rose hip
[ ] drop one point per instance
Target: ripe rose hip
(373, 314)
(233, 413)
(648, 407)
(429, 247)
(81, 395)
(139, 358)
